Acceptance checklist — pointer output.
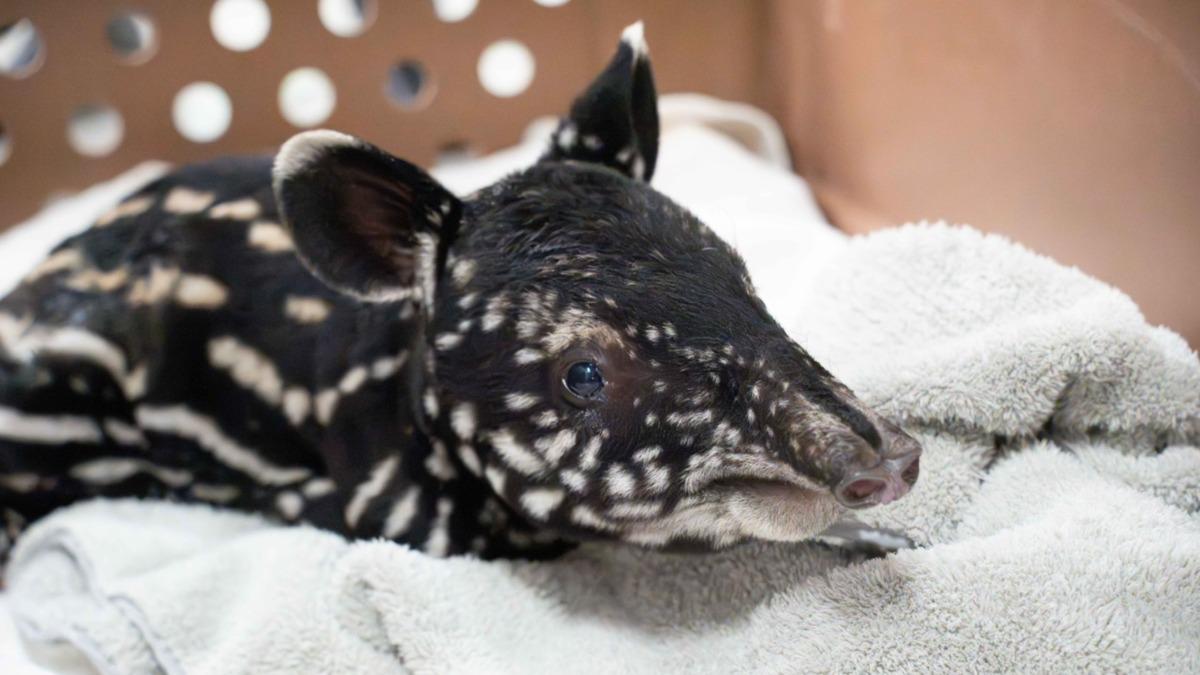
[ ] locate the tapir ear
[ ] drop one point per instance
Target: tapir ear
(366, 223)
(615, 122)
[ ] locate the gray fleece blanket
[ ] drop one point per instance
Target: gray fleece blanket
(1056, 522)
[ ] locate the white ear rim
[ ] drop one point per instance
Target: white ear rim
(301, 150)
(634, 35)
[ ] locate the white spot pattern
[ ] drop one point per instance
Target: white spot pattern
(400, 518)
(306, 309)
(515, 454)
(269, 237)
(184, 200)
(241, 209)
(539, 502)
(200, 292)
(381, 474)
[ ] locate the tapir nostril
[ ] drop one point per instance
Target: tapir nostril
(881, 484)
(863, 492)
(862, 489)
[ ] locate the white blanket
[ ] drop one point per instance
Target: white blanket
(1078, 551)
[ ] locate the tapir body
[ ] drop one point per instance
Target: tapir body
(331, 337)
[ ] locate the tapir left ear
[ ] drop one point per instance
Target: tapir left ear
(363, 221)
(615, 122)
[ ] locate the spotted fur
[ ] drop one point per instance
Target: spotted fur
(334, 338)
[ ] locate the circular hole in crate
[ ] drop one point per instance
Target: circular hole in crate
(455, 152)
(452, 11)
(202, 112)
(306, 97)
(551, 3)
(506, 68)
(21, 48)
(132, 36)
(240, 25)
(95, 129)
(5, 145)
(347, 18)
(409, 85)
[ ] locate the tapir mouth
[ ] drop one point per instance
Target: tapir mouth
(891, 480)
(776, 486)
(865, 479)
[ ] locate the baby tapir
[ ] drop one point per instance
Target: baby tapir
(336, 339)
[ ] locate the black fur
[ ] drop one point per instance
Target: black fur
(400, 371)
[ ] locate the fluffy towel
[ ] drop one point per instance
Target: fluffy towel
(1054, 533)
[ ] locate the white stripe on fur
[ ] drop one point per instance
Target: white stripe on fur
(20, 426)
(179, 421)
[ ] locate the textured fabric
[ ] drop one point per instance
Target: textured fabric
(1054, 532)
(1036, 555)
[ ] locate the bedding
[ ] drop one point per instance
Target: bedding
(1057, 518)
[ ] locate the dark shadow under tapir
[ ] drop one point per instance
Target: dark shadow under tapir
(337, 339)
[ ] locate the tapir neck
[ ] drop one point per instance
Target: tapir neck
(404, 476)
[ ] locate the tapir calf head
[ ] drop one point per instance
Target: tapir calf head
(597, 355)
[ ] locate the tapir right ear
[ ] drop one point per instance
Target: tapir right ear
(615, 121)
(363, 221)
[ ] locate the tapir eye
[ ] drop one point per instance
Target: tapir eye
(583, 379)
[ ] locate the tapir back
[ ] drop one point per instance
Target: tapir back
(179, 349)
